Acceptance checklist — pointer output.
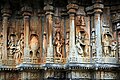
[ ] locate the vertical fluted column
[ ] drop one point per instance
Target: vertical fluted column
(5, 14)
(97, 25)
(49, 18)
(26, 11)
(72, 7)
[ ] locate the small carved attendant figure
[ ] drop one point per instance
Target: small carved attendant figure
(58, 44)
(44, 43)
(67, 43)
(106, 45)
(113, 48)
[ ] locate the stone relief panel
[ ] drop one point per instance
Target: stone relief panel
(58, 41)
(82, 37)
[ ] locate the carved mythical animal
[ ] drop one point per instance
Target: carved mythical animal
(34, 45)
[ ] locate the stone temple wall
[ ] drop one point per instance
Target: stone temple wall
(54, 40)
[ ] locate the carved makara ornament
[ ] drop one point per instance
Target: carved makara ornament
(34, 45)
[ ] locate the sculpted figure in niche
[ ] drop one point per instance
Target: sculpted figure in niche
(106, 45)
(20, 47)
(58, 44)
(93, 44)
(34, 45)
(44, 43)
(113, 48)
(79, 43)
(86, 42)
(67, 43)
(12, 46)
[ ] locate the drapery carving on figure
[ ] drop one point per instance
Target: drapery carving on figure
(82, 43)
(79, 43)
(86, 42)
(12, 46)
(34, 45)
(58, 42)
(106, 44)
(93, 43)
(20, 47)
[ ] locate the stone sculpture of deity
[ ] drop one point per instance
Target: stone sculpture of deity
(58, 45)
(106, 44)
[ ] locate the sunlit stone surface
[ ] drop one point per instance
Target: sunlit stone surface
(59, 39)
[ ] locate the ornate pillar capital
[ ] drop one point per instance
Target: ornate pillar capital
(48, 8)
(98, 6)
(72, 7)
(64, 12)
(6, 12)
(26, 11)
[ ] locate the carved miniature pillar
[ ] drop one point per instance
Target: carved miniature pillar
(5, 14)
(72, 7)
(97, 25)
(26, 18)
(49, 12)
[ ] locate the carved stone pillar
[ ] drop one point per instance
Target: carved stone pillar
(49, 18)
(5, 14)
(97, 25)
(72, 7)
(26, 11)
